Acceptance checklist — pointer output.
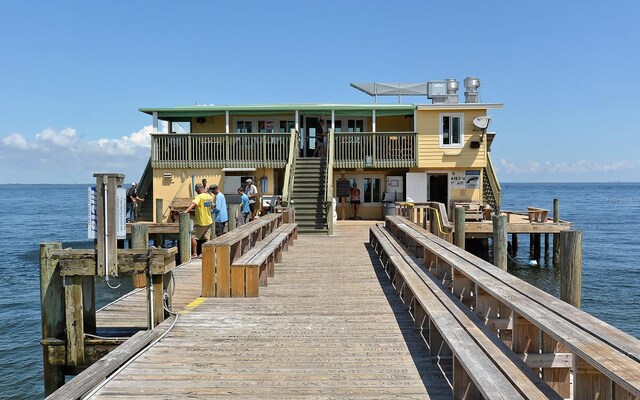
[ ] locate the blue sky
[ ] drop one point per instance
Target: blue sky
(73, 74)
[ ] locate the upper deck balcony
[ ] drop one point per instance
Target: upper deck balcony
(271, 150)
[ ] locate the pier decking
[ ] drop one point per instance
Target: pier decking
(328, 324)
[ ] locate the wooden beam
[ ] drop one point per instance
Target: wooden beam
(52, 312)
(74, 320)
(130, 261)
(98, 372)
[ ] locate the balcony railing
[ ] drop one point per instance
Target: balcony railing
(376, 150)
(221, 150)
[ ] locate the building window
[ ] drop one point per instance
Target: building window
(355, 125)
(244, 126)
(265, 126)
(371, 190)
(338, 127)
(286, 126)
(451, 130)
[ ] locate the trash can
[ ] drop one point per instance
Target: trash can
(389, 203)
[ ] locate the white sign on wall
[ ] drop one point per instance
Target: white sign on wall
(472, 178)
(457, 180)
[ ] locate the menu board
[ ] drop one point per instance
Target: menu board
(343, 188)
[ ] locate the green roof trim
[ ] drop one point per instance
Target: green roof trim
(181, 112)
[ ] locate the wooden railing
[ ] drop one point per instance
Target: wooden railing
(376, 150)
(579, 356)
(493, 182)
(329, 182)
(290, 169)
(220, 150)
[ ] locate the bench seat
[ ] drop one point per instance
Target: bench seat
(494, 372)
(537, 214)
(596, 351)
(252, 269)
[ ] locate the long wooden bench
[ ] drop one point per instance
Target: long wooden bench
(251, 271)
(218, 254)
(537, 214)
(552, 336)
(483, 367)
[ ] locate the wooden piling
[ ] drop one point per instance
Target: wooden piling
(139, 240)
(459, 229)
(571, 267)
(74, 320)
(514, 243)
(536, 246)
(500, 241)
(546, 247)
(184, 238)
(52, 313)
(556, 237)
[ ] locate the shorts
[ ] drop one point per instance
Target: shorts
(219, 228)
(252, 207)
(355, 201)
(201, 232)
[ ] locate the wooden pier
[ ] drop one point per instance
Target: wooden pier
(406, 315)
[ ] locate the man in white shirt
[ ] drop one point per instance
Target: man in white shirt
(252, 192)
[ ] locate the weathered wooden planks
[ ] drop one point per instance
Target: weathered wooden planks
(328, 325)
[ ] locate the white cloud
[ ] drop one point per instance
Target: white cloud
(62, 155)
(578, 167)
(17, 141)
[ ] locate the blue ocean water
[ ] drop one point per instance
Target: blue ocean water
(608, 214)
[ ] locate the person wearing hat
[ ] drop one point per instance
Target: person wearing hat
(132, 202)
(220, 210)
(203, 202)
(252, 193)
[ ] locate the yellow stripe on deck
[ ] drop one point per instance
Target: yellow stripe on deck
(194, 304)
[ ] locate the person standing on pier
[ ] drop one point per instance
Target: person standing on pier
(252, 192)
(245, 210)
(355, 201)
(320, 146)
(132, 202)
(220, 210)
(203, 202)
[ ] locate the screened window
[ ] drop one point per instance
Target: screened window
(451, 130)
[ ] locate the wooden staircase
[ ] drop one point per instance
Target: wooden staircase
(145, 190)
(491, 190)
(308, 195)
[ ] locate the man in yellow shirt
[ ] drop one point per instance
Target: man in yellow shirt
(203, 202)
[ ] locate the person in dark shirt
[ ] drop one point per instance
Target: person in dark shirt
(320, 145)
(132, 202)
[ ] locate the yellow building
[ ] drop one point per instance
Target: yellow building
(417, 152)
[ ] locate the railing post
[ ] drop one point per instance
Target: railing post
(52, 313)
(571, 267)
(264, 150)
(139, 240)
(373, 151)
(459, 228)
(189, 149)
(184, 241)
(556, 237)
(500, 241)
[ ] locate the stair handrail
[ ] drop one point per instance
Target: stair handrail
(328, 192)
(290, 169)
(493, 181)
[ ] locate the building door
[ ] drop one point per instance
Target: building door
(439, 188)
(310, 124)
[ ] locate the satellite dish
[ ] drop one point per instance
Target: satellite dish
(482, 121)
